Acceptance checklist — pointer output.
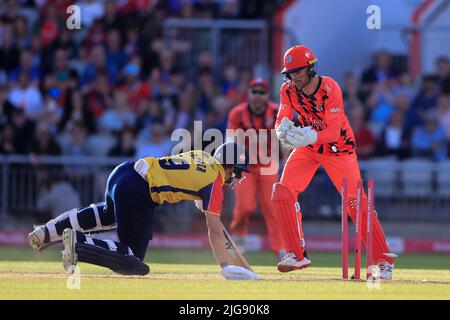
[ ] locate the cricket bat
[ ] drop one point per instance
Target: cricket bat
(235, 255)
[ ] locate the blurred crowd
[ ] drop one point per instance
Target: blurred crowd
(395, 114)
(114, 87)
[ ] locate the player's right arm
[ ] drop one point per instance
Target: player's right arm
(216, 238)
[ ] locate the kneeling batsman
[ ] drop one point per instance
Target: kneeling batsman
(116, 236)
(293, 137)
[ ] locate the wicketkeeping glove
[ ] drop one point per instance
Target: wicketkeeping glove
(284, 126)
(281, 131)
(301, 137)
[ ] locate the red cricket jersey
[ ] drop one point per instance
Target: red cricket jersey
(323, 110)
(242, 117)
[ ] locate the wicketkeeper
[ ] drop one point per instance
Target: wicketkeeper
(133, 190)
(324, 138)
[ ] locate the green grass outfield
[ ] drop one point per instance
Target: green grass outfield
(191, 274)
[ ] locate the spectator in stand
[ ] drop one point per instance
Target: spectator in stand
(60, 65)
(206, 9)
(26, 65)
(50, 24)
(352, 93)
(429, 141)
(425, 100)
(10, 12)
(186, 10)
(206, 91)
(65, 42)
(91, 11)
(364, 138)
(443, 72)
(137, 91)
(380, 71)
(23, 130)
(157, 143)
(230, 9)
(110, 18)
(9, 52)
(149, 53)
(230, 82)
(395, 139)
(43, 142)
(186, 113)
(5, 106)
(443, 114)
(98, 95)
(217, 118)
(381, 104)
(125, 146)
(131, 46)
(166, 60)
(205, 63)
(21, 35)
(151, 113)
(75, 111)
(26, 96)
(119, 115)
(116, 57)
(7, 144)
(95, 66)
(77, 143)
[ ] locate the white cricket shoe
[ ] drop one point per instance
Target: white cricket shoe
(69, 255)
(386, 270)
(290, 263)
(37, 239)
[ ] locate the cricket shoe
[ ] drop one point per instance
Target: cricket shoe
(69, 255)
(386, 270)
(290, 262)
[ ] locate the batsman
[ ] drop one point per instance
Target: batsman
(324, 138)
(133, 190)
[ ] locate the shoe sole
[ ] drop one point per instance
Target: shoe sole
(69, 255)
(283, 268)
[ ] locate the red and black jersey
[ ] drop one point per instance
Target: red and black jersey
(242, 117)
(323, 110)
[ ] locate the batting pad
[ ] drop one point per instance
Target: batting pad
(119, 263)
(289, 218)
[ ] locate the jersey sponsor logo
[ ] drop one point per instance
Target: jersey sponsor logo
(335, 110)
(317, 124)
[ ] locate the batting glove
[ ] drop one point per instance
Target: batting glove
(238, 273)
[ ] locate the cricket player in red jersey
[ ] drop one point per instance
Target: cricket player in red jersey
(325, 138)
(257, 113)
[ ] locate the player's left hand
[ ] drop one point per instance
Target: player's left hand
(238, 273)
(301, 137)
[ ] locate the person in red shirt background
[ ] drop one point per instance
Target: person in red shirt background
(325, 138)
(256, 113)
